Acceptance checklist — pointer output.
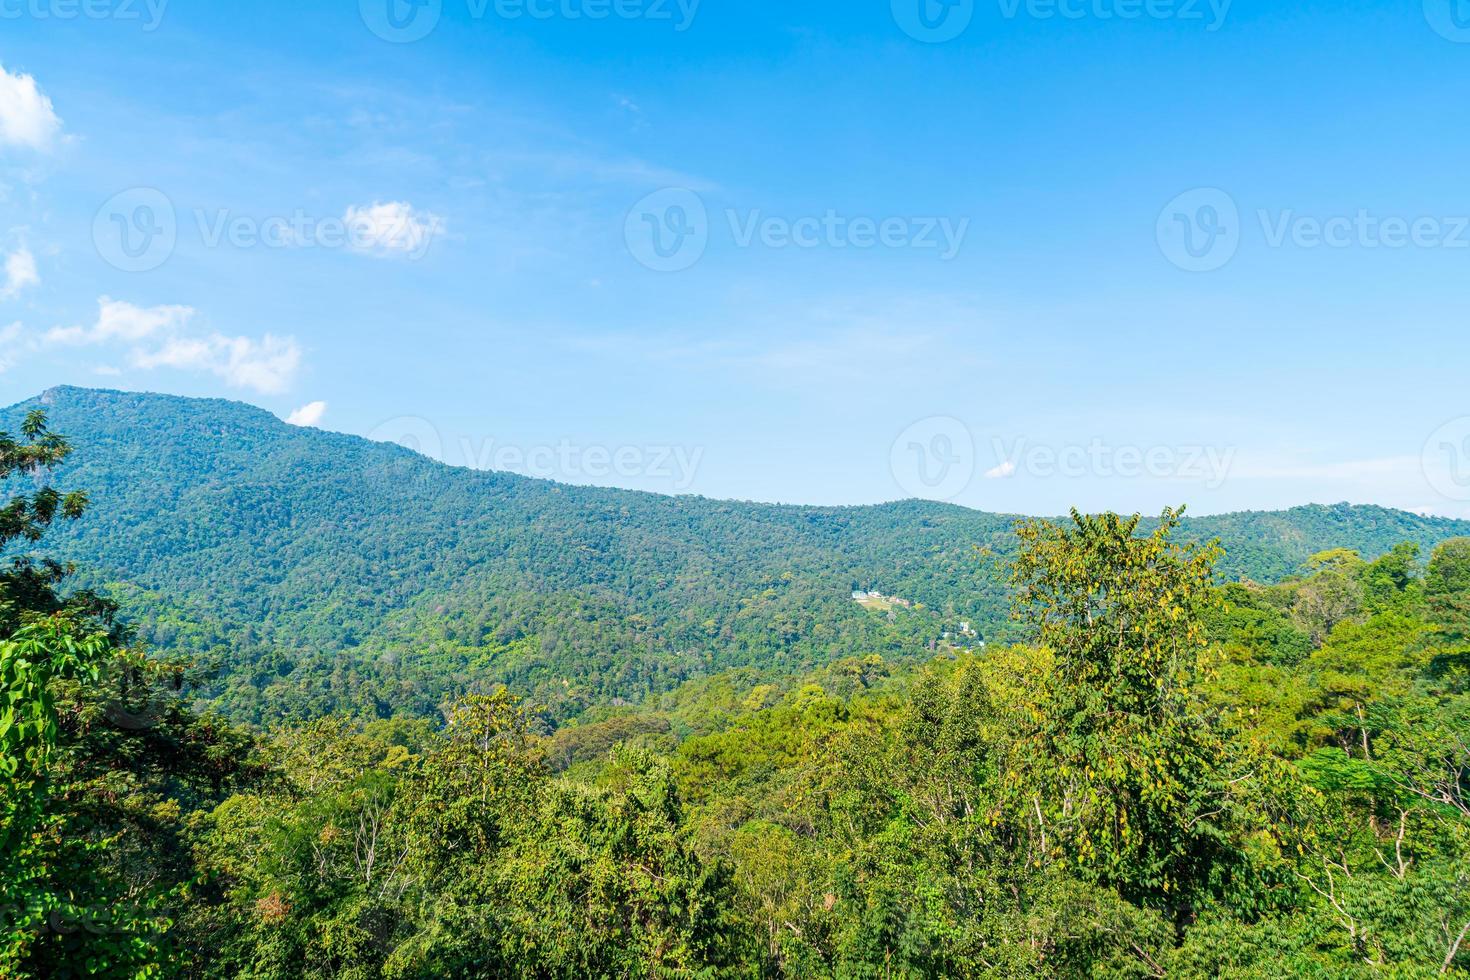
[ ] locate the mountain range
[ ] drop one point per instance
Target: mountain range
(312, 571)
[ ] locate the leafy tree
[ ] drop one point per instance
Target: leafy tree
(1332, 595)
(1391, 583)
(28, 585)
(34, 860)
(1124, 775)
(99, 759)
(1447, 588)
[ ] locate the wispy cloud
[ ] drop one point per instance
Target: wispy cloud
(267, 364)
(121, 321)
(27, 118)
(164, 337)
(394, 228)
(9, 342)
(560, 166)
(20, 273)
(848, 340)
(1345, 470)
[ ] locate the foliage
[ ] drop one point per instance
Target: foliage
(317, 573)
(1170, 777)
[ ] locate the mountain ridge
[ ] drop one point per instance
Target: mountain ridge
(51, 394)
(317, 569)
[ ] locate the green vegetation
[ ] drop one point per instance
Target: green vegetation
(1161, 775)
(313, 573)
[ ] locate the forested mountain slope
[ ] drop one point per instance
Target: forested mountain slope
(321, 571)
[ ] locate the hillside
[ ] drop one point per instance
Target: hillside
(320, 571)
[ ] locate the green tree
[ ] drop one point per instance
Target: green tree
(32, 860)
(1331, 595)
(1123, 773)
(28, 585)
(1447, 588)
(1391, 584)
(608, 882)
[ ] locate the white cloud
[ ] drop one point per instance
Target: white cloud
(20, 273)
(118, 320)
(26, 115)
(9, 339)
(308, 414)
(266, 365)
(1001, 472)
(160, 337)
(392, 229)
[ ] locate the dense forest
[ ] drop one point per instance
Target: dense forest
(1164, 772)
(307, 573)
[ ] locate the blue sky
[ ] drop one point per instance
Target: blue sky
(1037, 253)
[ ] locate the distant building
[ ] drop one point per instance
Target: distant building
(859, 594)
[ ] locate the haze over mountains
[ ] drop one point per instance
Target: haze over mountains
(321, 571)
